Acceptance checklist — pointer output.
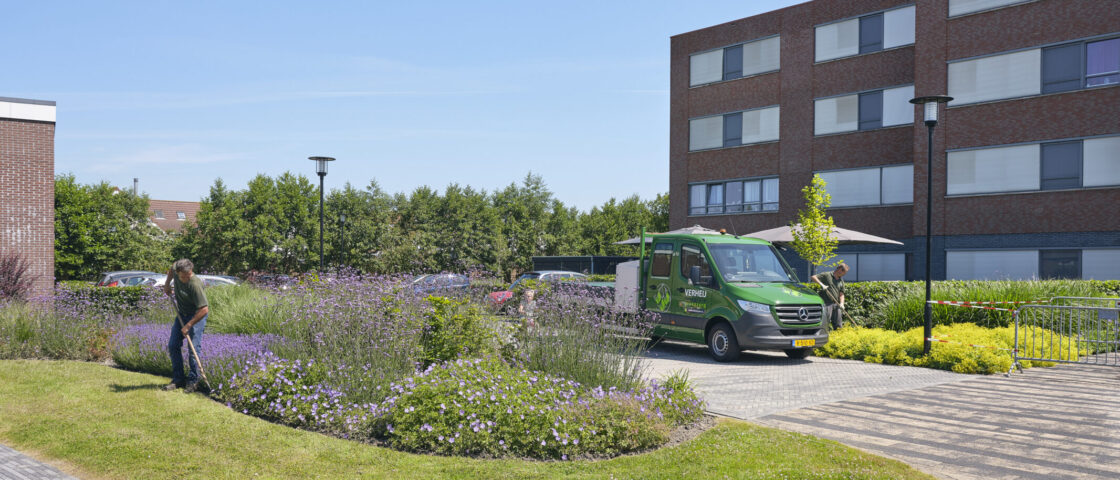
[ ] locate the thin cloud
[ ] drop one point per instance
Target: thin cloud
(163, 156)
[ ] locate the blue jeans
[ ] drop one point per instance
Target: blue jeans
(175, 349)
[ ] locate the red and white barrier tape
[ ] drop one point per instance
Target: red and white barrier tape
(1012, 350)
(975, 306)
(997, 302)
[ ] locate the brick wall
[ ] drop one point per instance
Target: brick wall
(27, 195)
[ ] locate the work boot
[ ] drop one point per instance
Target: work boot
(191, 387)
(172, 386)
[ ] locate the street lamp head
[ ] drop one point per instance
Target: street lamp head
(342, 218)
(930, 103)
(321, 164)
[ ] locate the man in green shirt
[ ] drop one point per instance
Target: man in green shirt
(832, 286)
(192, 310)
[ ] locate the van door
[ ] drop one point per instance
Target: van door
(659, 283)
(691, 302)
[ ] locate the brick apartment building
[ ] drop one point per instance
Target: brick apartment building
(27, 185)
(1026, 165)
(171, 215)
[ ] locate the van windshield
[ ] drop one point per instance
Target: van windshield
(749, 263)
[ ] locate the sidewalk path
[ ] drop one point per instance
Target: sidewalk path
(17, 466)
(1047, 423)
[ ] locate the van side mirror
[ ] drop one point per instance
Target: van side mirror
(694, 274)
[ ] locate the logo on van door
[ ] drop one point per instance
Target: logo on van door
(695, 293)
(662, 297)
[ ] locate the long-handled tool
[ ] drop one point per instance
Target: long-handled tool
(190, 344)
(837, 302)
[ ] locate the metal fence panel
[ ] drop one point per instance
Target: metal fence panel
(1068, 334)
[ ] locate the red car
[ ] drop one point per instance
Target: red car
(543, 276)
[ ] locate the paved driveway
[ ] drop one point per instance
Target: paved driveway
(1048, 423)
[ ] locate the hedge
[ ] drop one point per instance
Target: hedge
(899, 306)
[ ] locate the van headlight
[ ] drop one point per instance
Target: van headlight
(754, 307)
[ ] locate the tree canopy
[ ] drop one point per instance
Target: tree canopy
(272, 225)
(100, 228)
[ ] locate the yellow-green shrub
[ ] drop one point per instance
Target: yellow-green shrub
(905, 348)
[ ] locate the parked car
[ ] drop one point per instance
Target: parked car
(213, 280)
(207, 280)
(115, 279)
(440, 282)
(541, 276)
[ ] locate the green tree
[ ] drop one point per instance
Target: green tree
(615, 221)
(812, 233)
(271, 226)
(360, 241)
(100, 228)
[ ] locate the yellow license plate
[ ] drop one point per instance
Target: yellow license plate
(808, 342)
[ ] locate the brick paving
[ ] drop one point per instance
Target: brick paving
(17, 466)
(1047, 423)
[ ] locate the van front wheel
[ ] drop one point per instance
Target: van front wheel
(722, 343)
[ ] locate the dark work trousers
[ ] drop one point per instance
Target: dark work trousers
(835, 315)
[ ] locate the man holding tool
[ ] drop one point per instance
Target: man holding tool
(832, 285)
(190, 320)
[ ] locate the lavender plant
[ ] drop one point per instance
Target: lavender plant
(144, 348)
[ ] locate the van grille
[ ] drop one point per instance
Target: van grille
(791, 314)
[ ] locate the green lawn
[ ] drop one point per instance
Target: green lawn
(99, 422)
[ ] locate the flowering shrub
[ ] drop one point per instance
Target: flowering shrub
(487, 407)
(293, 393)
(889, 347)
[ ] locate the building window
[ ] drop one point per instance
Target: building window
(733, 129)
(890, 185)
(992, 265)
(999, 76)
(1061, 68)
(159, 214)
(733, 62)
(864, 111)
(1102, 63)
(1100, 264)
(1065, 264)
(871, 110)
(1061, 165)
(737, 61)
(735, 196)
(662, 260)
(1101, 162)
(1092, 162)
(181, 215)
(866, 34)
(715, 198)
(961, 7)
(871, 33)
(1090, 263)
(870, 267)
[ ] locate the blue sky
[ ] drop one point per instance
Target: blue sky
(407, 93)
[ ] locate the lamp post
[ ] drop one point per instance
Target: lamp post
(321, 169)
(931, 104)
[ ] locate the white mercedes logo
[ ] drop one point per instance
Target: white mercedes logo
(803, 313)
